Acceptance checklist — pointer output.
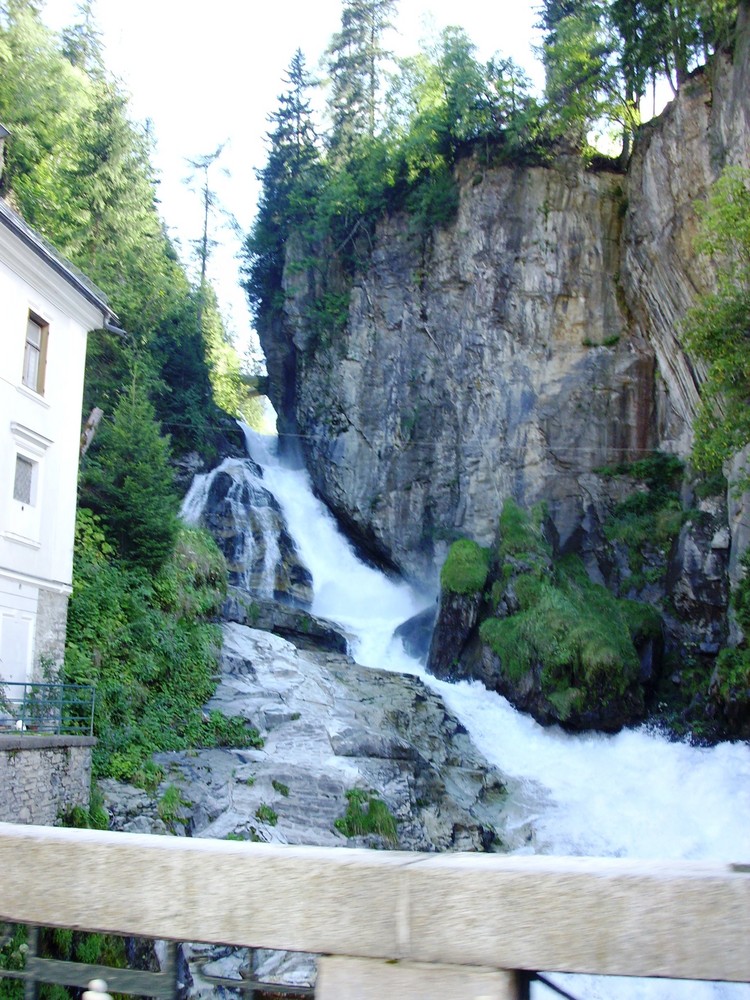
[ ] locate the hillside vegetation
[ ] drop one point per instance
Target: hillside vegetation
(145, 589)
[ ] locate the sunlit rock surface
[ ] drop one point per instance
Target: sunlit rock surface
(329, 725)
(519, 349)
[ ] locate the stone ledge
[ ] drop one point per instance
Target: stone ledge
(610, 916)
(50, 742)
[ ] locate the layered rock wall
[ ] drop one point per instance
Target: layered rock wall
(522, 347)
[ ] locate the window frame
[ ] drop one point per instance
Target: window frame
(34, 379)
(29, 498)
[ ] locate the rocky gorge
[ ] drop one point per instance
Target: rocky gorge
(383, 755)
(338, 754)
(530, 349)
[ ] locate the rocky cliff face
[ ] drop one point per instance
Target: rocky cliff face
(519, 349)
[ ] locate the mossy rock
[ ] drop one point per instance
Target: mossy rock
(466, 567)
(571, 652)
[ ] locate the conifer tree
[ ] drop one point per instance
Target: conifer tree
(82, 43)
(289, 182)
(128, 481)
(355, 58)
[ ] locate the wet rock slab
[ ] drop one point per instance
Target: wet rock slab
(329, 725)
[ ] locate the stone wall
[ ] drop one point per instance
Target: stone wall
(43, 776)
(51, 622)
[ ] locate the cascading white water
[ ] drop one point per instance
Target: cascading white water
(633, 794)
(255, 568)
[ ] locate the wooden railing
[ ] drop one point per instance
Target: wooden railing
(455, 926)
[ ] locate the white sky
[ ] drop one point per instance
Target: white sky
(210, 73)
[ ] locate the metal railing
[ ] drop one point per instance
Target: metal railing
(40, 708)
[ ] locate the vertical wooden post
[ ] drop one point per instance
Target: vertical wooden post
(31, 986)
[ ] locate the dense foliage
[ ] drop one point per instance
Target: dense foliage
(389, 145)
(391, 139)
(717, 328)
(144, 589)
(575, 633)
(78, 170)
(146, 641)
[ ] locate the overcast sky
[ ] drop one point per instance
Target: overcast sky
(210, 73)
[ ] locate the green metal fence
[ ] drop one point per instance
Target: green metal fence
(47, 709)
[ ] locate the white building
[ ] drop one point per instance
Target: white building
(47, 310)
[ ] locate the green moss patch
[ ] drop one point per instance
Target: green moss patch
(466, 567)
(578, 636)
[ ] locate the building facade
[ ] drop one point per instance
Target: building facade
(48, 308)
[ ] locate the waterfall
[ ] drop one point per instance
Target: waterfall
(632, 794)
(245, 519)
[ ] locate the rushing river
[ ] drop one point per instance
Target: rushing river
(632, 794)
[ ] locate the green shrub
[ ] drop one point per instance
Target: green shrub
(367, 814)
(266, 814)
(574, 631)
(140, 639)
(732, 677)
(465, 568)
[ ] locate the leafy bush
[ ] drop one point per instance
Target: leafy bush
(366, 814)
(465, 568)
(140, 639)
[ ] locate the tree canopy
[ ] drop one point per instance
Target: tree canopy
(79, 170)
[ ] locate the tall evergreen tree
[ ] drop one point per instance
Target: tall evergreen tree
(289, 182)
(355, 57)
(128, 481)
(82, 42)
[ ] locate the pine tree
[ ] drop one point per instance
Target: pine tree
(128, 482)
(289, 183)
(82, 43)
(355, 57)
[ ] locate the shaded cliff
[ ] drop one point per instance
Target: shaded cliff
(523, 349)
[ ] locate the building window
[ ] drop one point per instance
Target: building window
(24, 480)
(35, 354)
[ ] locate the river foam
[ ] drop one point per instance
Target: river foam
(633, 794)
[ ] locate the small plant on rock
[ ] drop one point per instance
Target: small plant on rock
(367, 814)
(266, 814)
